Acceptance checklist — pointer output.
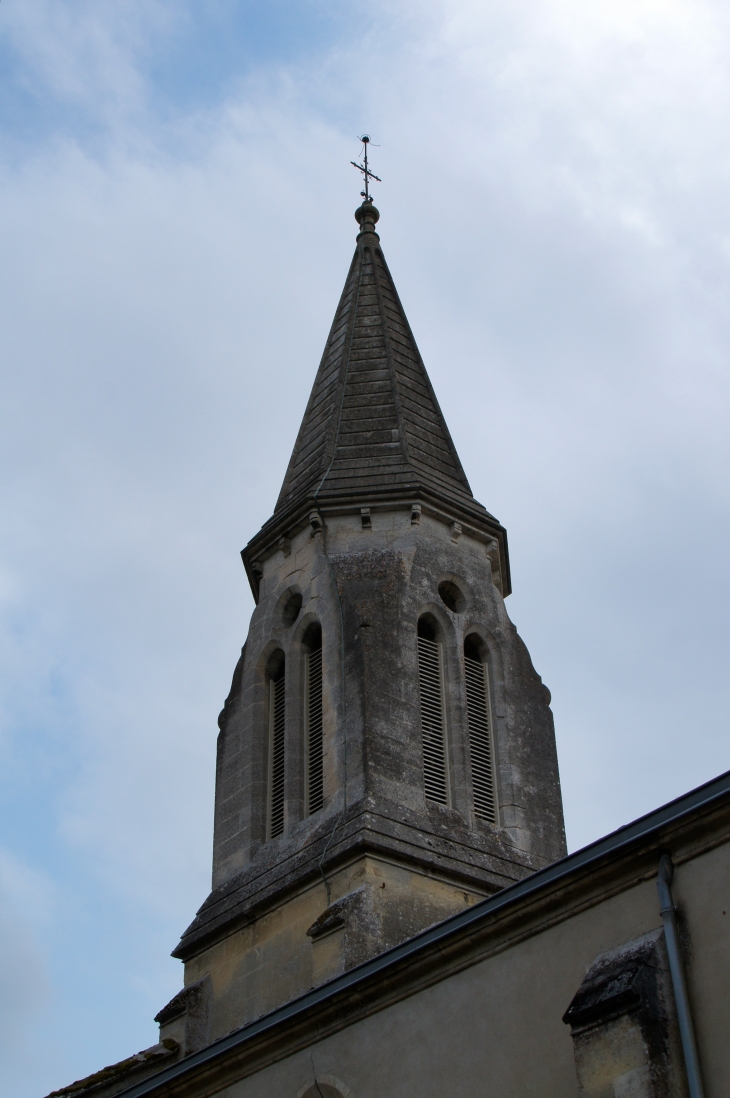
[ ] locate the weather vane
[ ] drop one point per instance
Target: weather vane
(367, 174)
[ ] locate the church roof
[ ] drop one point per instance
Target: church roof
(373, 425)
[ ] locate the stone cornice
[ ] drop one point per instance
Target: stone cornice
(285, 523)
(484, 863)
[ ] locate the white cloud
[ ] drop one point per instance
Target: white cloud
(26, 900)
(87, 52)
(25, 890)
(554, 212)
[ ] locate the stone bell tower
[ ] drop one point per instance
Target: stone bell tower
(386, 754)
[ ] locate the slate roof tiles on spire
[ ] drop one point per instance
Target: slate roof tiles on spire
(373, 425)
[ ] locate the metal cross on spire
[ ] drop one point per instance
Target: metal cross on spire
(367, 174)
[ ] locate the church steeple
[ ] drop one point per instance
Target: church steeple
(373, 423)
(386, 753)
(373, 428)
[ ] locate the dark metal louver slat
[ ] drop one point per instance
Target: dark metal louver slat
(480, 746)
(277, 740)
(432, 721)
(315, 741)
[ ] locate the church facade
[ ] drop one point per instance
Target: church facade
(392, 908)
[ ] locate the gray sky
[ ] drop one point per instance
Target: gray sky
(176, 209)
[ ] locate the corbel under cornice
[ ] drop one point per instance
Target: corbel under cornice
(278, 532)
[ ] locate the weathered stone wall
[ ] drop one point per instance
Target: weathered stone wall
(366, 581)
(308, 938)
(387, 576)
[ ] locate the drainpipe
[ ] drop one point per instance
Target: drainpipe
(671, 937)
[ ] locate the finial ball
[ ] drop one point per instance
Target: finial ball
(367, 212)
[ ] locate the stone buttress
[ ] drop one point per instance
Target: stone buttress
(386, 754)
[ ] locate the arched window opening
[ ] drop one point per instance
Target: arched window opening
(433, 721)
(277, 741)
(480, 733)
(313, 722)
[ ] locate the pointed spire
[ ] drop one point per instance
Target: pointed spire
(373, 426)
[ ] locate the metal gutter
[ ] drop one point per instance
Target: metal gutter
(639, 831)
(676, 969)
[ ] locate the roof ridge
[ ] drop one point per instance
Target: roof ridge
(343, 383)
(389, 352)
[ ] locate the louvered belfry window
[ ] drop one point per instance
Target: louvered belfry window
(313, 730)
(277, 729)
(480, 738)
(433, 723)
